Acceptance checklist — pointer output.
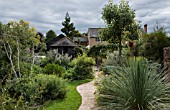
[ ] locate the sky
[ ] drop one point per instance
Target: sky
(45, 15)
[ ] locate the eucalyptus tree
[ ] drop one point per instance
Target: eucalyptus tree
(18, 41)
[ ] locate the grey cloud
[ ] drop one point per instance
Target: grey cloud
(49, 14)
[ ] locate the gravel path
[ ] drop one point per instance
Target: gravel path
(87, 92)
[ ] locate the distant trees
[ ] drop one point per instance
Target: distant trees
(154, 43)
(68, 28)
(119, 19)
(50, 35)
(42, 45)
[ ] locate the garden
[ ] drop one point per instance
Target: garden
(132, 66)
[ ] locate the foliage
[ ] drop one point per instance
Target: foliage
(82, 67)
(16, 39)
(101, 50)
(26, 71)
(69, 29)
(78, 51)
(119, 21)
(50, 35)
(69, 102)
(54, 69)
(54, 56)
(154, 43)
(8, 103)
(135, 86)
(38, 89)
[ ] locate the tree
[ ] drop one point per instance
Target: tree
(16, 38)
(69, 29)
(119, 20)
(50, 35)
(42, 45)
(154, 43)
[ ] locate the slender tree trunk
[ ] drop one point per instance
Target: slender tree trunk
(9, 55)
(33, 60)
(19, 72)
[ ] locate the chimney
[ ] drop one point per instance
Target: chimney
(145, 28)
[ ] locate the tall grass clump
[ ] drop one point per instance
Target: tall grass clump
(135, 86)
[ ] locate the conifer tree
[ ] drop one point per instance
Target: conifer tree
(68, 27)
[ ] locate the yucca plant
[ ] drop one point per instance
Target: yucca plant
(135, 86)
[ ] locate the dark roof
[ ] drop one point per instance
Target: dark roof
(64, 42)
(81, 39)
(54, 40)
(94, 32)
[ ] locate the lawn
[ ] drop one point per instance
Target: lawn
(72, 100)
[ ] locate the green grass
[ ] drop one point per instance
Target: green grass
(72, 100)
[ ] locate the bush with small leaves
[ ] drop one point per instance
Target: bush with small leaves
(82, 67)
(39, 89)
(54, 69)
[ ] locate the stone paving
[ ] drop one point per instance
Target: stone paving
(87, 92)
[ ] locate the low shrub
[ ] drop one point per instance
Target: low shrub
(112, 60)
(82, 67)
(38, 89)
(135, 86)
(55, 57)
(54, 69)
(52, 86)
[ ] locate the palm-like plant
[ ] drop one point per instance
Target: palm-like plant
(135, 86)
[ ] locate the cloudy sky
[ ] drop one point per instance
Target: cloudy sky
(49, 14)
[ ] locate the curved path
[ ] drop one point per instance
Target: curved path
(87, 92)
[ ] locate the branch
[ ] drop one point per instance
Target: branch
(9, 55)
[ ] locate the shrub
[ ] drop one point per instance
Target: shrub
(135, 86)
(112, 60)
(52, 86)
(38, 89)
(26, 68)
(82, 67)
(54, 56)
(9, 103)
(54, 69)
(153, 45)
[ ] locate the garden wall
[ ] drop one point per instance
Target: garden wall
(167, 63)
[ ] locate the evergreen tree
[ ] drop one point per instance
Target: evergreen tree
(50, 35)
(69, 29)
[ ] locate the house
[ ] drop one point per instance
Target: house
(63, 44)
(81, 40)
(93, 37)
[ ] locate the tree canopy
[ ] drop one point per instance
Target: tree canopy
(120, 20)
(154, 43)
(17, 41)
(68, 28)
(50, 35)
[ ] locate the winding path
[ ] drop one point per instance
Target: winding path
(87, 92)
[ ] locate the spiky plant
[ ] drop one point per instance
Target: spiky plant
(135, 86)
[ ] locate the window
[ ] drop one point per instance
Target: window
(98, 39)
